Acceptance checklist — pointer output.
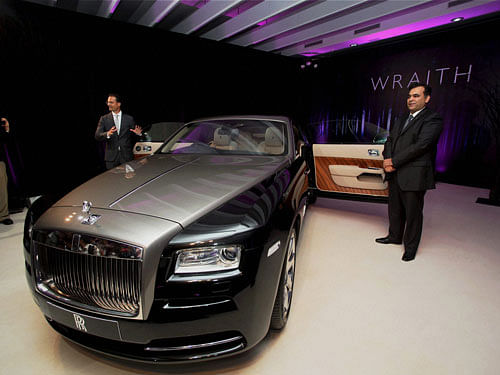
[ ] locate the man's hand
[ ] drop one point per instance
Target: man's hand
(137, 130)
(111, 131)
(388, 167)
(5, 124)
(387, 163)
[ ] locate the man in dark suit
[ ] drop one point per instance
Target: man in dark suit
(4, 196)
(120, 133)
(409, 163)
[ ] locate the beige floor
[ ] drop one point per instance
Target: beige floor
(357, 308)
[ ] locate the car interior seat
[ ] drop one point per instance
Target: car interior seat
(273, 142)
(223, 139)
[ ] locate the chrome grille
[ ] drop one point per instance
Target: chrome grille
(87, 273)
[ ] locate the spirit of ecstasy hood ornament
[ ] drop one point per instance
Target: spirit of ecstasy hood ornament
(91, 218)
(86, 206)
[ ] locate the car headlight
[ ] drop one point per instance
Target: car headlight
(208, 259)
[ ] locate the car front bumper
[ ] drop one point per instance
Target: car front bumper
(232, 317)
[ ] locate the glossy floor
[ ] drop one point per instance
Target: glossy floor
(357, 308)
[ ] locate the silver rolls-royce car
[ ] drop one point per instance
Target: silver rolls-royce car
(187, 254)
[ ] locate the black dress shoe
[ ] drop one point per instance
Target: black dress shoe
(387, 240)
(407, 257)
(7, 221)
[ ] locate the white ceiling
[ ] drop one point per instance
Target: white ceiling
(286, 27)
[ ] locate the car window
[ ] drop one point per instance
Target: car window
(239, 137)
(160, 131)
(344, 131)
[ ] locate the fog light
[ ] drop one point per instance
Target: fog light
(208, 259)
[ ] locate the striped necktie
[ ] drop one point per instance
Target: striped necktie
(117, 122)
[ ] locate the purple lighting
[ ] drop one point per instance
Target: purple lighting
(242, 8)
(114, 5)
(194, 3)
(414, 27)
(9, 163)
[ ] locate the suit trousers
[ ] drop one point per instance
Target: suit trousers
(405, 207)
(4, 196)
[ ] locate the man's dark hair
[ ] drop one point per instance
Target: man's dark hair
(427, 88)
(117, 96)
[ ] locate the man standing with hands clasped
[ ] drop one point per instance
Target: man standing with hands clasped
(409, 163)
(119, 131)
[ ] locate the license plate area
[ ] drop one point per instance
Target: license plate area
(85, 323)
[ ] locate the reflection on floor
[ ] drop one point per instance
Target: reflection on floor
(357, 308)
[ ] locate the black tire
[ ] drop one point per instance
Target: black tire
(283, 302)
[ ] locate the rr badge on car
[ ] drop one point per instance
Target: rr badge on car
(80, 323)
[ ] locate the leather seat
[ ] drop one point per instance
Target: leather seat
(223, 139)
(273, 142)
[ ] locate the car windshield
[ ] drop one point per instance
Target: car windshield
(161, 131)
(237, 137)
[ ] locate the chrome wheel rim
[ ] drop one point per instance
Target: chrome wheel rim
(289, 274)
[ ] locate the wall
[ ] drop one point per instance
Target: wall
(459, 63)
(58, 67)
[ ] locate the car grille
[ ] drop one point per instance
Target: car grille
(89, 273)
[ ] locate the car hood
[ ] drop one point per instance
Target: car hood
(179, 188)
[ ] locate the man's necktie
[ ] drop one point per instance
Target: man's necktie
(117, 123)
(408, 120)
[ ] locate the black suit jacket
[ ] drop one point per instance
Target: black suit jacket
(413, 151)
(125, 139)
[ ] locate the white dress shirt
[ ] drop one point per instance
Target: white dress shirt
(413, 114)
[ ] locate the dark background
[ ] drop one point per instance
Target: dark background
(57, 68)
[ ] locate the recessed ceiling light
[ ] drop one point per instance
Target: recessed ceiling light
(457, 19)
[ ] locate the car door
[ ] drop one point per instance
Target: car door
(348, 161)
(153, 137)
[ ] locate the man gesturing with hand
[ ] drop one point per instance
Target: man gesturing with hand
(119, 131)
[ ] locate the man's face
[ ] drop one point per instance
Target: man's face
(416, 99)
(113, 105)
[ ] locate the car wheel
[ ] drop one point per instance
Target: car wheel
(283, 300)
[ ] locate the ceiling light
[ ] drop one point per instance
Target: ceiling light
(353, 45)
(457, 19)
